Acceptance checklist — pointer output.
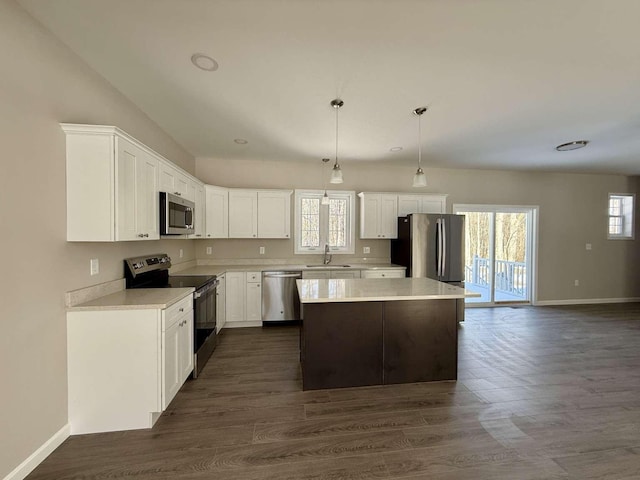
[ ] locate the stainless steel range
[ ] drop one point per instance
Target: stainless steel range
(152, 271)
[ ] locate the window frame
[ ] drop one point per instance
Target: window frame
(627, 216)
(349, 248)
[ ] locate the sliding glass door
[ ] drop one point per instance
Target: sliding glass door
(498, 253)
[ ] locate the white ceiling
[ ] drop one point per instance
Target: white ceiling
(505, 80)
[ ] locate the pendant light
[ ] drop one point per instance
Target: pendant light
(336, 173)
(325, 197)
(419, 179)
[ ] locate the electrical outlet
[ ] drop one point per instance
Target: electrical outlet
(181, 254)
(576, 283)
(588, 246)
(208, 250)
(261, 250)
(94, 266)
(366, 249)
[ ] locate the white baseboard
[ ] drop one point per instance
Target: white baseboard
(585, 301)
(37, 457)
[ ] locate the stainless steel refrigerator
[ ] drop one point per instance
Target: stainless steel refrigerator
(432, 246)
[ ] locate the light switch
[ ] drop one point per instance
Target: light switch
(208, 250)
(366, 249)
(261, 250)
(588, 246)
(181, 253)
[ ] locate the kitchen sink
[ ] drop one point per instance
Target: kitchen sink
(328, 266)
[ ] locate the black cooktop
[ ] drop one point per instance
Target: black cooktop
(195, 281)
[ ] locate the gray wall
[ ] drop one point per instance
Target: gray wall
(43, 83)
(573, 212)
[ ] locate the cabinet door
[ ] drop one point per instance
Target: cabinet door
(173, 181)
(200, 213)
(254, 302)
(369, 216)
(388, 223)
(171, 364)
(221, 304)
(137, 201)
(274, 214)
(243, 214)
(408, 204)
(433, 204)
(235, 296)
(217, 212)
(191, 190)
(147, 199)
(185, 328)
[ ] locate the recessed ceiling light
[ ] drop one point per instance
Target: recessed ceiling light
(565, 147)
(204, 62)
(240, 141)
(395, 149)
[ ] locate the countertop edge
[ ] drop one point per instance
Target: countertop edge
(180, 294)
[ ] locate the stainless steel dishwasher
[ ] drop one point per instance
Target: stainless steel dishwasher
(280, 300)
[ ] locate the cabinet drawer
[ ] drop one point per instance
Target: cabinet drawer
(254, 277)
(395, 273)
(177, 310)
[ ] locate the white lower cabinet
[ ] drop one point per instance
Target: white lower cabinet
(125, 366)
(254, 297)
(243, 299)
(384, 273)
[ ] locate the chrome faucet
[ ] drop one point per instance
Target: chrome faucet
(327, 257)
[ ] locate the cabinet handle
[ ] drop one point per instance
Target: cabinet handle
(146, 234)
(254, 235)
(182, 309)
(140, 235)
(287, 236)
(177, 193)
(198, 235)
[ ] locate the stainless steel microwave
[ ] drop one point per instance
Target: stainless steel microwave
(176, 215)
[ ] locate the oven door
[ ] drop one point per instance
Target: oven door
(204, 324)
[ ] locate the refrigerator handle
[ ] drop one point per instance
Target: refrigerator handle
(438, 246)
(444, 247)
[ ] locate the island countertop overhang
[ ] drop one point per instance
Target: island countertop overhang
(376, 289)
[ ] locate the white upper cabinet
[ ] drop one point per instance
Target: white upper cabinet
(274, 213)
(243, 213)
(174, 181)
(412, 203)
(378, 215)
(112, 186)
(259, 213)
(200, 211)
(217, 212)
(137, 190)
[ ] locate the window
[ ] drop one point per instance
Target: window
(620, 215)
(318, 225)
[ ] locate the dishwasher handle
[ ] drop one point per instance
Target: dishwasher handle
(282, 275)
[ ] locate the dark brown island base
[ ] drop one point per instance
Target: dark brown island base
(358, 332)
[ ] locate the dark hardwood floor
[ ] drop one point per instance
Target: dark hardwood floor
(543, 393)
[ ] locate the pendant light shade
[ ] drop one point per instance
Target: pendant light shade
(336, 173)
(419, 179)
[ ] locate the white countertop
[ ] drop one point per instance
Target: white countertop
(377, 289)
(136, 299)
(220, 269)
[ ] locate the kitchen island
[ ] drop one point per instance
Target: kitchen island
(359, 332)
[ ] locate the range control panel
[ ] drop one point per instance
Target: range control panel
(148, 263)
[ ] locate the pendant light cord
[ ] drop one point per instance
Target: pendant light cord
(337, 135)
(419, 141)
